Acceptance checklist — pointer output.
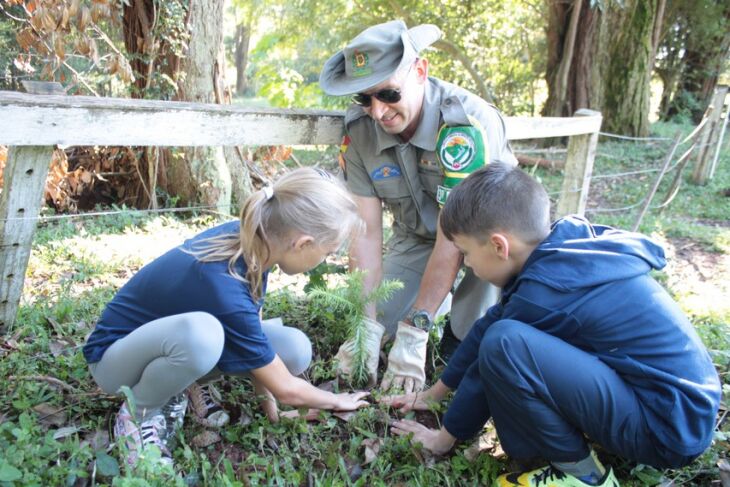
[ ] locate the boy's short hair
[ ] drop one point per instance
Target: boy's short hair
(498, 197)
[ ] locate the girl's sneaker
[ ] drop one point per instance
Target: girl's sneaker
(552, 477)
(139, 436)
(174, 412)
(205, 403)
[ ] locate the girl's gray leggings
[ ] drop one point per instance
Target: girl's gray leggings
(163, 357)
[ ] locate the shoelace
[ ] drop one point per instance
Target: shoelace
(549, 473)
(205, 397)
(150, 432)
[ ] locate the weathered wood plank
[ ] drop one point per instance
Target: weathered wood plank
(20, 203)
(80, 120)
(519, 128)
(578, 169)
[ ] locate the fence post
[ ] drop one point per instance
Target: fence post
(578, 170)
(21, 199)
(710, 138)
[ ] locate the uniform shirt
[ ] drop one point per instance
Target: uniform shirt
(589, 286)
(177, 282)
(406, 175)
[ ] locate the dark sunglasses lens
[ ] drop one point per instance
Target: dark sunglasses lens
(388, 96)
(362, 99)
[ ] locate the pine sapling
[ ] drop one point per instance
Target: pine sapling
(350, 300)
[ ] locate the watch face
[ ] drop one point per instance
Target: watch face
(422, 320)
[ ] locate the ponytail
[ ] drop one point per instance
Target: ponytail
(304, 201)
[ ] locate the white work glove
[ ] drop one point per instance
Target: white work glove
(374, 334)
(407, 360)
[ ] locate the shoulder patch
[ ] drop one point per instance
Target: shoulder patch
(340, 157)
(386, 171)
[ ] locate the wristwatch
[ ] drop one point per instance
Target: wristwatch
(420, 319)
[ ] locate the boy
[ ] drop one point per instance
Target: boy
(583, 345)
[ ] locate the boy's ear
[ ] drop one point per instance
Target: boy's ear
(500, 244)
(302, 242)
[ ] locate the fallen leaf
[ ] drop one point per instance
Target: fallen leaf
(64, 346)
(50, 415)
(206, 438)
(65, 431)
(487, 442)
(372, 447)
(345, 416)
(98, 439)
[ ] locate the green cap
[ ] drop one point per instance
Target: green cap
(374, 56)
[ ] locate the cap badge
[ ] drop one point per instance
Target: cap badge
(360, 64)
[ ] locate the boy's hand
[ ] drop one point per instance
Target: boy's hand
(418, 401)
(438, 442)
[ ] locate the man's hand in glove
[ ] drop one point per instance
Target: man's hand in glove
(344, 357)
(406, 360)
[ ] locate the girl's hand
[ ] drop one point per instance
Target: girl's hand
(438, 442)
(349, 401)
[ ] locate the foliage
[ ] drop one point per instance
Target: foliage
(349, 301)
(692, 54)
(66, 41)
(503, 40)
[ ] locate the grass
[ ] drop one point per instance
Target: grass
(54, 422)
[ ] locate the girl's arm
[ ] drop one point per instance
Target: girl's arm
(297, 392)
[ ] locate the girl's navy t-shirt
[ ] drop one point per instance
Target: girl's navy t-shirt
(177, 282)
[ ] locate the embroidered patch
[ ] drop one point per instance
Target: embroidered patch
(457, 151)
(360, 64)
(386, 171)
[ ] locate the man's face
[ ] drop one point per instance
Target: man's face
(400, 118)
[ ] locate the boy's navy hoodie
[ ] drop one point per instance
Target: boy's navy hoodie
(589, 286)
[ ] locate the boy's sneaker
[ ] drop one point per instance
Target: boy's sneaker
(138, 436)
(174, 412)
(552, 477)
(205, 403)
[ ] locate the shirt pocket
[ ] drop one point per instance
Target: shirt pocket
(431, 177)
(395, 195)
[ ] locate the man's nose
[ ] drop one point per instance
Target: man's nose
(377, 108)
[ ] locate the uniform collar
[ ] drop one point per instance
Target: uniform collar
(425, 135)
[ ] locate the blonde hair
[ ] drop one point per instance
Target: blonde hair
(305, 201)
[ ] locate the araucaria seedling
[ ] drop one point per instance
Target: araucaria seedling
(350, 300)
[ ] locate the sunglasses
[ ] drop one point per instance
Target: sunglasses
(388, 95)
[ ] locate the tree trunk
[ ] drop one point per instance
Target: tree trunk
(243, 36)
(573, 81)
(627, 90)
(602, 60)
(201, 82)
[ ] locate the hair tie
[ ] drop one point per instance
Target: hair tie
(268, 192)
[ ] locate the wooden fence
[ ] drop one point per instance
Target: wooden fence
(31, 125)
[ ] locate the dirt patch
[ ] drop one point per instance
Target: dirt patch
(700, 277)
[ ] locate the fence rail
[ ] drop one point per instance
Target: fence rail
(32, 124)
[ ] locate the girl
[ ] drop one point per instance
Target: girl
(193, 314)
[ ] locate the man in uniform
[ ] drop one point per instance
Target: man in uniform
(408, 139)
